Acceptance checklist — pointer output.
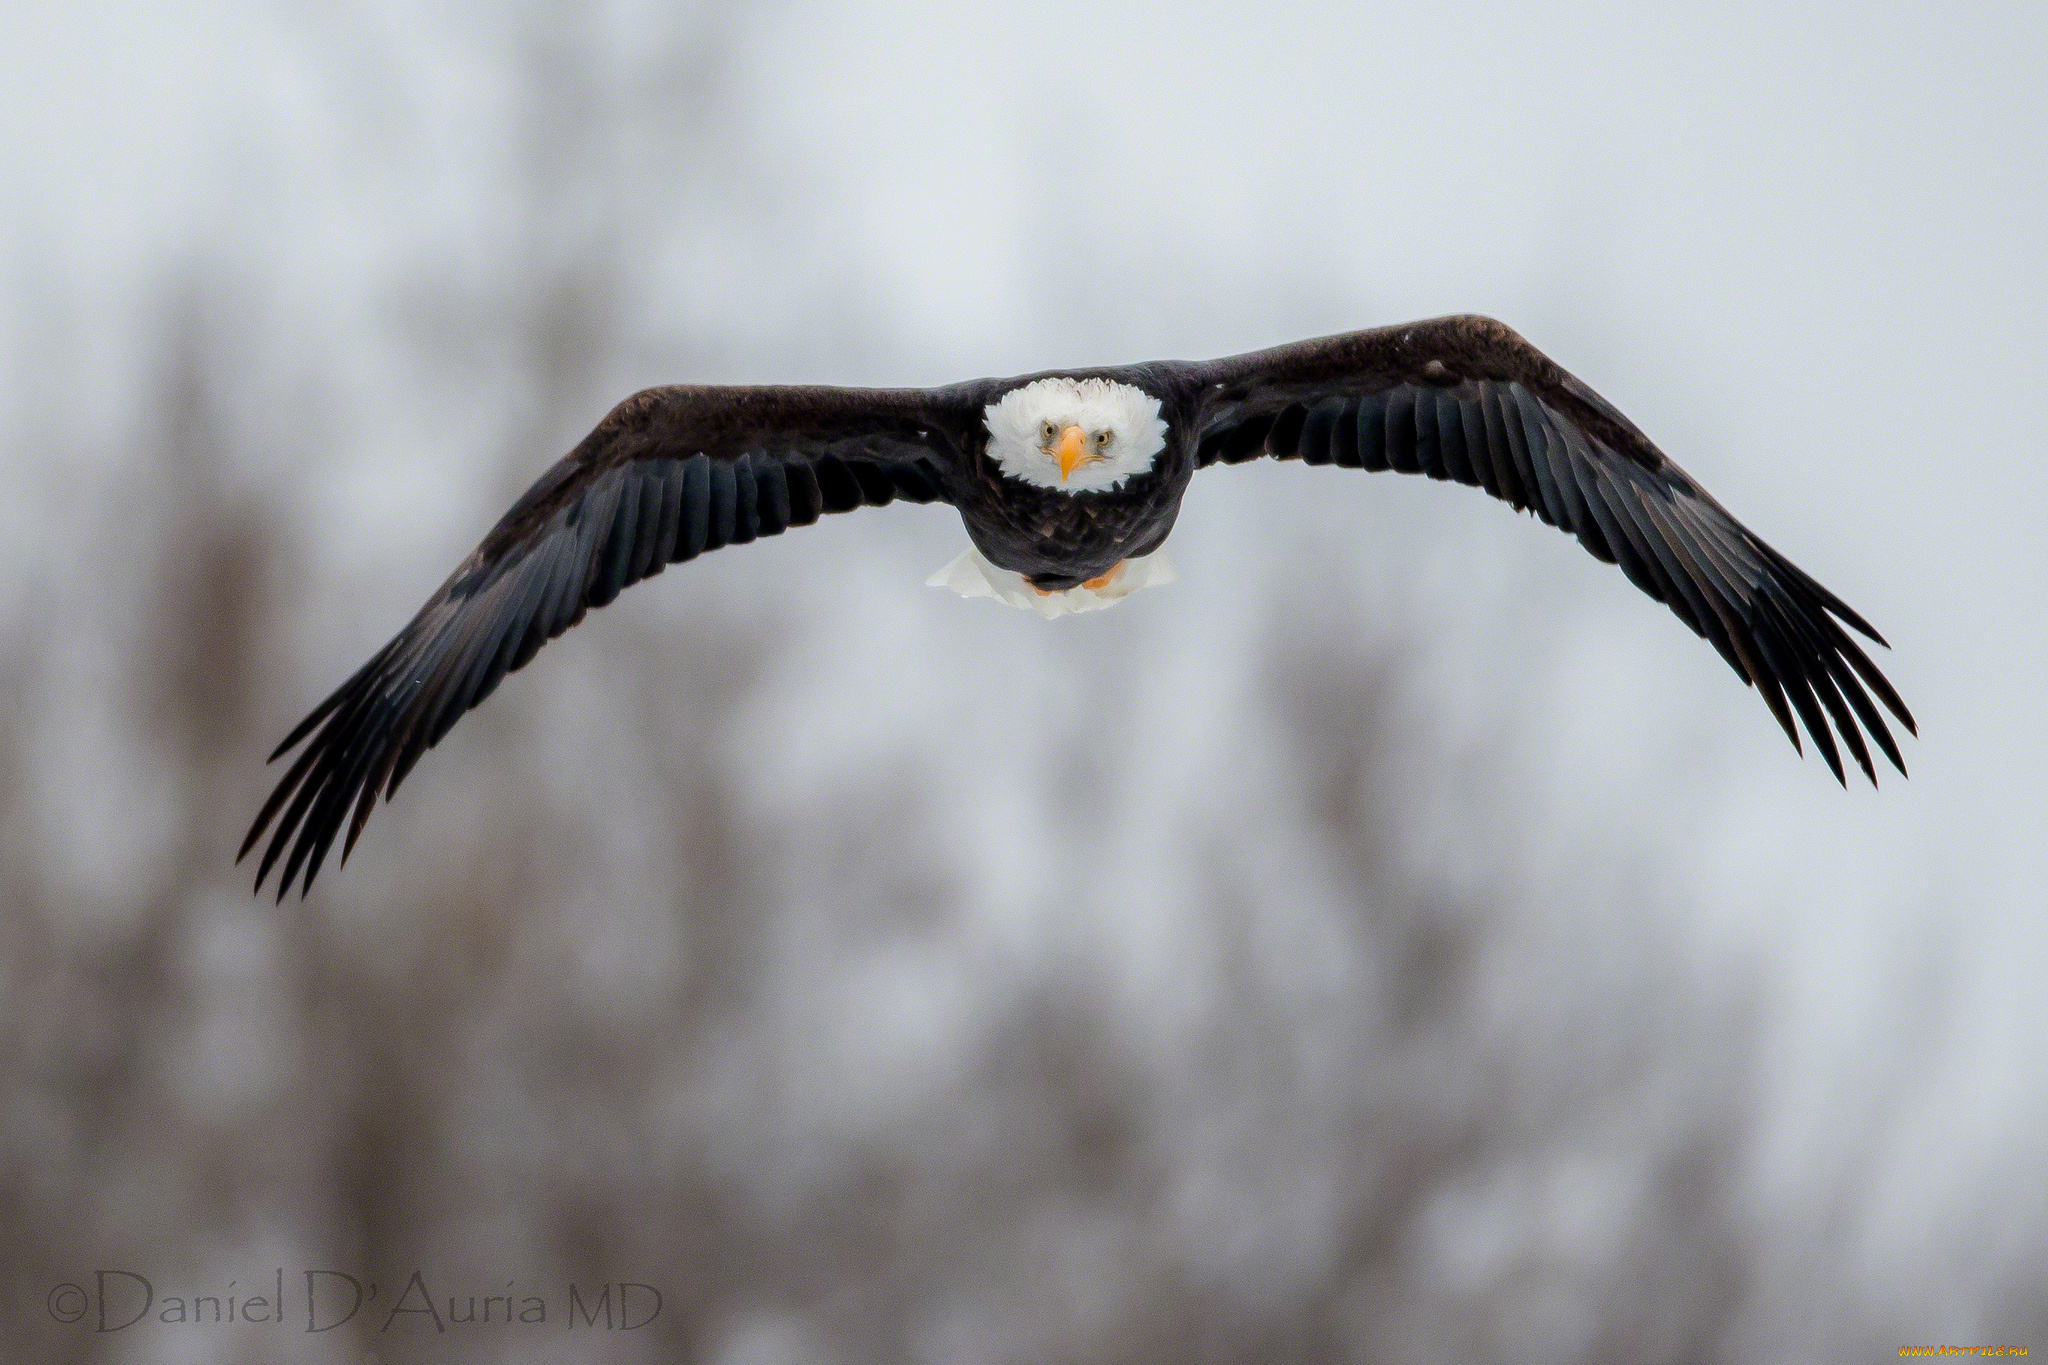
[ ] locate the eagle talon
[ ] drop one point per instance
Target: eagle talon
(1098, 584)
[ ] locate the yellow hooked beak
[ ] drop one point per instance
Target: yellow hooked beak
(1072, 452)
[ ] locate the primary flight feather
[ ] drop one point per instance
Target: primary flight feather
(1068, 483)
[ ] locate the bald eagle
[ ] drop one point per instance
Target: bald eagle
(1068, 483)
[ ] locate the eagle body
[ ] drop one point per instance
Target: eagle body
(1068, 484)
(1056, 538)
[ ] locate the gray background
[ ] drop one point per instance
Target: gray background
(1398, 940)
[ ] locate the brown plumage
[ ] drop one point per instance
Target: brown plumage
(673, 472)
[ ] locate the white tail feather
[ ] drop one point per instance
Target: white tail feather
(971, 575)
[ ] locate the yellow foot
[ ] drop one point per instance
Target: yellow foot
(1098, 584)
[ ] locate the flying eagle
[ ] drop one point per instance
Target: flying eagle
(1068, 483)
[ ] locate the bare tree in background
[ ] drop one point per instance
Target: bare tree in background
(203, 1086)
(566, 1020)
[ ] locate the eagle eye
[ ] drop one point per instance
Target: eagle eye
(1102, 438)
(1048, 430)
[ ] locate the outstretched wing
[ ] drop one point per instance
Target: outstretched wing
(1466, 398)
(667, 475)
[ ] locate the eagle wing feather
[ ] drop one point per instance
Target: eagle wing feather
(670, 473)
(1467, 399)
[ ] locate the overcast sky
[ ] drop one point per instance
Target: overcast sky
(1799, 246)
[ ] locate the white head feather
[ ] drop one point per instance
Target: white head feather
(1018, 432)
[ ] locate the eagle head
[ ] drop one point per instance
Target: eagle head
(1075, 435)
